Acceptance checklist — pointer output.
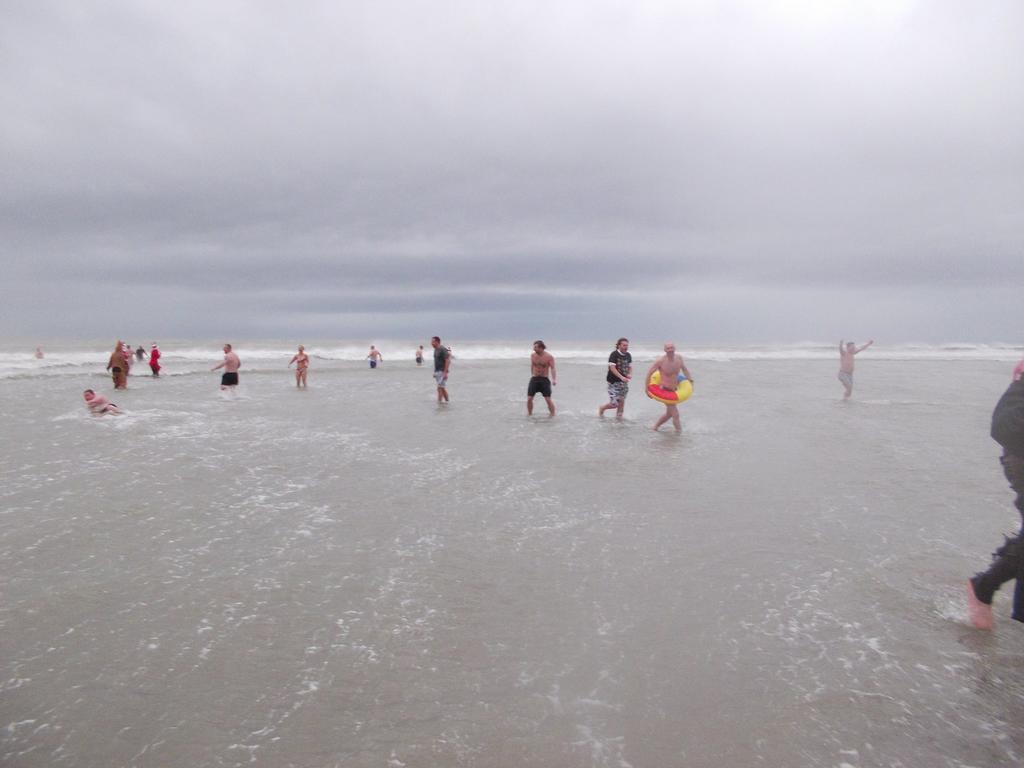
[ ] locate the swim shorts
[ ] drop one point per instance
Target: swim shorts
(373, 363)
(441, 378)
(846, 378)
(617, 391)
(419, 361)
(541, 384)
(229, 380)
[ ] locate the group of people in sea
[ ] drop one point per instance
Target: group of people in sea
(1007, 427)
(669, 371)
(121, 360)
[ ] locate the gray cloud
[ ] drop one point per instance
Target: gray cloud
(376, 162)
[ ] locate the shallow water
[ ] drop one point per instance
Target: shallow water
(353, 576)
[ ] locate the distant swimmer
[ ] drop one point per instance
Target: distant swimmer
(154, 359)
(620, 369)
(846, 354)
(230, 365)
(419, 355)
(118, 367)
(542, 377)
(442, 361)
(98, 404)
(39, 353)
(140, 353)
(375, 356)
(670, 365)
(1008, 561)
(301, 361)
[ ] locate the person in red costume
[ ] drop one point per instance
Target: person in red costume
(154, 360)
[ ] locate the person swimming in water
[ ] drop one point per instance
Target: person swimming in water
(419, 355)
(99, 405)
(375, 356)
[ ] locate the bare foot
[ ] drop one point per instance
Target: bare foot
(979, 613)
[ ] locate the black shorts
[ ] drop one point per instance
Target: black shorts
(541, 384)
(229, 380)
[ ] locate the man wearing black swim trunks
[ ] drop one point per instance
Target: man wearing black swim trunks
(230, 365)
(541, 363)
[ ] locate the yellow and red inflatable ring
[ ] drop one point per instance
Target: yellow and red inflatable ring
(667, 396)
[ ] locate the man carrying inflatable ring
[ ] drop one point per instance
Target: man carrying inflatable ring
(669, 382)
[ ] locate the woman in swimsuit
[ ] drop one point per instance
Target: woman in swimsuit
(301, 361)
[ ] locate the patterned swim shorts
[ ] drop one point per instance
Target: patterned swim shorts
(617, 392)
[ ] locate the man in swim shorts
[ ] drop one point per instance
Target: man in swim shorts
(620, 369)
(98, 404)
(442, 360)
(846, 354)
(230, 365)
(670, 365)
(419, 355)
(541, 363)
(375, 356)
(1008, 560)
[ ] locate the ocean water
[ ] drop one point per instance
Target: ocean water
(353, 576)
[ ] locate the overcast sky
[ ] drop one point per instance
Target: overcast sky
(705, 171)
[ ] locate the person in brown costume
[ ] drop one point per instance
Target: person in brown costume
(118, 367)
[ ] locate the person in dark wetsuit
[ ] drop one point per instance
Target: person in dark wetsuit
(1008, 560)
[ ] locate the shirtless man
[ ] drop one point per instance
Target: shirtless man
(541, 362)
(846, 354)
(230, 365)
(98, 404)
(375, 356)
(670, 365)
(301, 361)
(419, 355)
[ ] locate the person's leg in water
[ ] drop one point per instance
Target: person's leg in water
(847, 382)
(1007, 561)
(662, 419)
(551, 405)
